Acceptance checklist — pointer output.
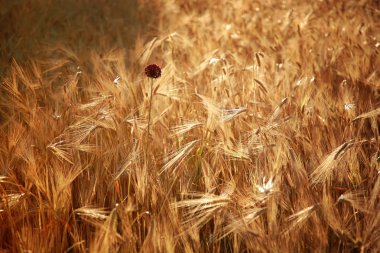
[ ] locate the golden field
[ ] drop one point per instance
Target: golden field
(261, 135)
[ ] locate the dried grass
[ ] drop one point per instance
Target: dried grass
(264, 130)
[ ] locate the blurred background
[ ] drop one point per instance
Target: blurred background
(29, 28)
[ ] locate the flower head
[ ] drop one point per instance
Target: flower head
(153, 71)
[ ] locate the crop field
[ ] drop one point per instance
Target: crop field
(189, 126)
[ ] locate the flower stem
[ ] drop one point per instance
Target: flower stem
(150, 105)
(149, 117)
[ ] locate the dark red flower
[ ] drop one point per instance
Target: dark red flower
(153, 71)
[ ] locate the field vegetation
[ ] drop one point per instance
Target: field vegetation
(260, 135)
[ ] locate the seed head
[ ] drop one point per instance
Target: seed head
(153, 71)
(266, 187)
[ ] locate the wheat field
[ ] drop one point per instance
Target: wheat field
(260, 135)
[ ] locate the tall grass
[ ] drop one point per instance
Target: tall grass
(264, 131)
